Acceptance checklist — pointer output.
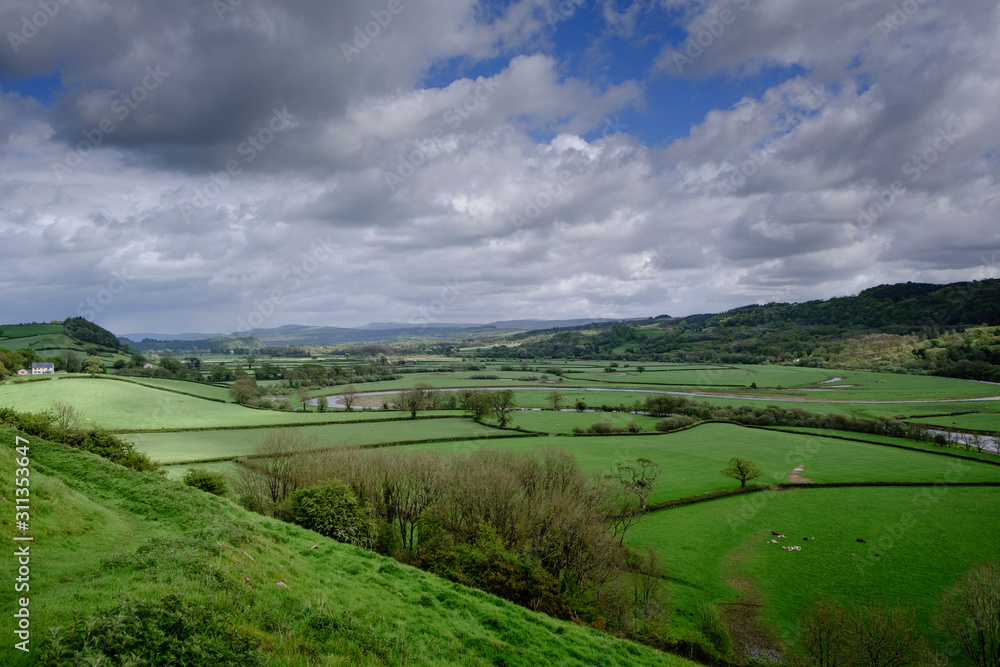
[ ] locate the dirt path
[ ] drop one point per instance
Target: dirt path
(750, 637)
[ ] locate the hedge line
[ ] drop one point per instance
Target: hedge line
(788, 429)
(291, 425)
(828, 485)
(143, 384)
(702, 497)
(396, 443)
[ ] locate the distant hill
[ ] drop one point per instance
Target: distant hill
(56, 338)
(375, 332)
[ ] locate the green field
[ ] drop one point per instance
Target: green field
(691, 460)
(718, 551)
(192, 446)
(127, 406)
(972, 422)
(104, 533)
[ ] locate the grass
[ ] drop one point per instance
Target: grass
(199, 445)
(197, 388)
(102, 531)
(691, 460)
(126, 406)
(973, 422)
(716, 550)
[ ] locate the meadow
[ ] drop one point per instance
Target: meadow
(196, 446)
(721, 550)
(714, 551)
(113, 536)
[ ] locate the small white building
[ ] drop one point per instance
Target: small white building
(147, 366)
(47, 368)
(21, 371)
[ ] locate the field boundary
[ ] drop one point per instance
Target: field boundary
(373, 445)
(197, 429)
(143, 384)
(790, 429)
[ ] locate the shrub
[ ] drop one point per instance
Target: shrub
(168, 631)
(206, 480)
(672, 423)
(333, 510)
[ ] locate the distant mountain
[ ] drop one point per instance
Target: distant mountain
(374, 332)
(181, 336)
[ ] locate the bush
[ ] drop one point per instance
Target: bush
(673, 423)
(333, 510)
(164, 632)
(206, 480)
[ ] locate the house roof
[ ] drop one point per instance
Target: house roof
(47, 364)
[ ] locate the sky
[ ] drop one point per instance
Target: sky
(219, 165)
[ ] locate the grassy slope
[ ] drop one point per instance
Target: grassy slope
(101, 530)
(691, 460)
(924, 548)
(198, 445)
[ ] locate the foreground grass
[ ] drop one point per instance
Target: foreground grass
(718, 550)
(103, 532)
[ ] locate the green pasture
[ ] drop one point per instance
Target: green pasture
(691, 460)
(111, 533)
(924, 546)
(177, 471)
(126, 406)
(550, 421)
(190, 446)
(981, 421)
(203, 390)
(10, 331)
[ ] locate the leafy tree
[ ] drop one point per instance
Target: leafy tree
(93, 365)
(970, 612)
(72, 362)
(206, 480)
(245, 390)
(502, 405)
(414, 399)
(220, 373)
(29, 356)
(268, 371)
(742, 469)
(3, 370)
(555, 398)
(477, 403)
(322, 403)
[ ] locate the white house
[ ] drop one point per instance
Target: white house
(43, 369)
(147, 366)
(21, 371)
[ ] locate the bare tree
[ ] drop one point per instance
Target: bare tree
(637, 476)
(971, 613)
(824, 633)
(555, 398)
(883, 636)
(67, 418)
(348, 395)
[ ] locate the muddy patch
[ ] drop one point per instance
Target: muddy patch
(795, 477)
(749, 635)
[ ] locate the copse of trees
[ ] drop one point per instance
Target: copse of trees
(530, 527)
